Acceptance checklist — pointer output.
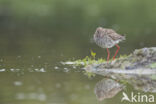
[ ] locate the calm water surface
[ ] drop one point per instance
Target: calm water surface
(31, 72)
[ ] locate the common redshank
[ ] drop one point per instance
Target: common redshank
(107, 38)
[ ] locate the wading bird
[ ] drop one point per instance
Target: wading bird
(107, 38)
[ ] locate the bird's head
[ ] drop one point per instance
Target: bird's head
(98, 32)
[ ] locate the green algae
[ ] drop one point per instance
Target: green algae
(89, 60)
(92, 60)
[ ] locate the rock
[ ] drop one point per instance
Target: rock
(137, 69)
(139, 61)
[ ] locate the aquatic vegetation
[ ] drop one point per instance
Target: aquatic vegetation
(93, 54)
(89, 74)
(92, 60)
(88, 60)
(123, 56)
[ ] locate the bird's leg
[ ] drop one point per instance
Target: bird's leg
(108, 54)
(118, 48)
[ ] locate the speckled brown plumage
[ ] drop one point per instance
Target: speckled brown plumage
(107, 38)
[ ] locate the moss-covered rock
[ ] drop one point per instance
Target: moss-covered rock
(137, 69)
(141, 60)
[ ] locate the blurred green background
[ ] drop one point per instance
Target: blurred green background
(39, 34)
(67, 26)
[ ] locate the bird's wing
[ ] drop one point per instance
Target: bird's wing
(116, 36)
